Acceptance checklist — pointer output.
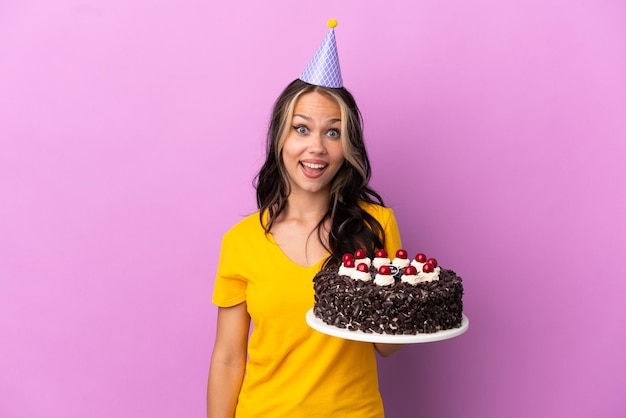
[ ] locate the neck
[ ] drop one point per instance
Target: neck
(307, 206)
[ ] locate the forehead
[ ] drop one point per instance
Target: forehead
(316, 105)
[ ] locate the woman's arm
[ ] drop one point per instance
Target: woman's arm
(228, 361)
(386, 350)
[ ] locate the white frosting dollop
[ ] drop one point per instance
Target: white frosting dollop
(345, 271)
(365, 260)
(429, 277)
(384, 279)
(400, 262)
(410, 279)
(418, 266)
(380, 261)
(361, 275)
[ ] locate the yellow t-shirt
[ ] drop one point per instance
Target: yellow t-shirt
(292, 370)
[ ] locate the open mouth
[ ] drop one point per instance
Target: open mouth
(313, 170)
(313, 166)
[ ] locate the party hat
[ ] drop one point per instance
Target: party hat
(323, 69)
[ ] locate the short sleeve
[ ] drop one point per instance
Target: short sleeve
(230, 287)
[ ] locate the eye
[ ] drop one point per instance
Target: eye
(334, 133)
(301, 129)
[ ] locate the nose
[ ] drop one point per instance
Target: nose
(317, 145)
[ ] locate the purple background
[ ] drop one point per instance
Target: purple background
(130, 131)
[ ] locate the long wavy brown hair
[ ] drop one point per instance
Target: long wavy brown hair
(351, 227)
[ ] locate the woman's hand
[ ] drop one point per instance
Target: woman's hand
(385, 350)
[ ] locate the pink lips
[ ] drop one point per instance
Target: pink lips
(313, 169)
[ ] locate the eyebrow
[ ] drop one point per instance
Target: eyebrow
(308, 118)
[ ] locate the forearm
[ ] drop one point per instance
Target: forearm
(228, 361)
(223, 389)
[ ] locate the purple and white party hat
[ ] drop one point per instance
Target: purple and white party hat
(323, 69)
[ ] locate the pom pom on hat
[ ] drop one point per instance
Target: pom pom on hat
(323, 69)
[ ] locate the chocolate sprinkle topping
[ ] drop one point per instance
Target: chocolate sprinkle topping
(402, 308)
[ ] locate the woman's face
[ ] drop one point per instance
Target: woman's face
(312, 152)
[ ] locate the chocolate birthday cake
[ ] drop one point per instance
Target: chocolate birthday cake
(384, 296)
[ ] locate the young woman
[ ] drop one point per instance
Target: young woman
(315, 205)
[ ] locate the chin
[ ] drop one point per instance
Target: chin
(314, 189)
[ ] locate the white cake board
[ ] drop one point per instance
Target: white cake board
(319, 325)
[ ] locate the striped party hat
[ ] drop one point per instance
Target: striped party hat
(323, 69)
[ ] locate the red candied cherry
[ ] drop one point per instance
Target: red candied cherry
(359, 254)
(363, 267)
(349, 263)
(432, 261)
(410, 271)
(402, 254)
(384, 270)
(420, 258)
(428, 268)
(347, 256)
(381, 253)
